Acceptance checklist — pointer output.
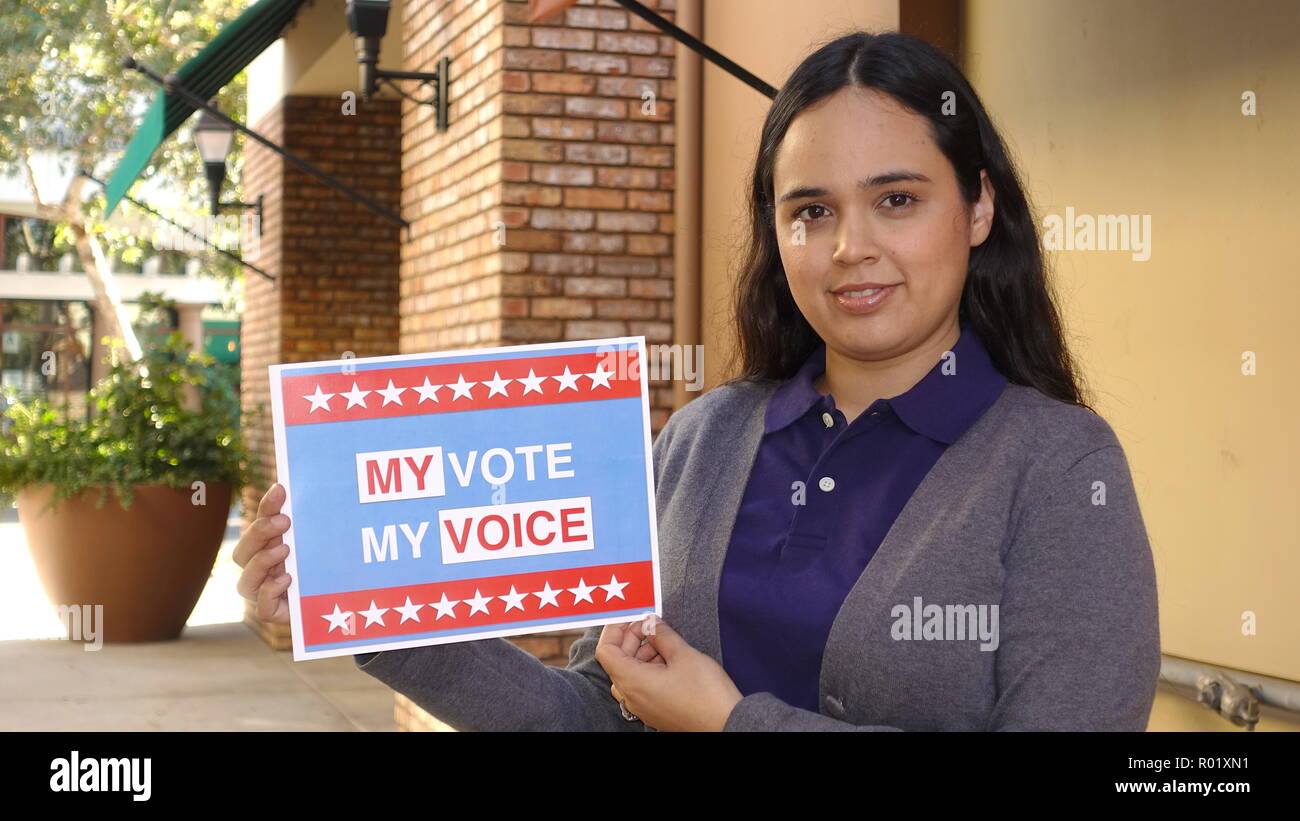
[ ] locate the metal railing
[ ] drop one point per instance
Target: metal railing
(1234, 694)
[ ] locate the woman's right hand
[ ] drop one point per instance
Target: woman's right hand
(261, 552)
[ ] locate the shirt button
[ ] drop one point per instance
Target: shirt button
(826, 484)
(828, 419)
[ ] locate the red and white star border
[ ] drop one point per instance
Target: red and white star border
(409, 610)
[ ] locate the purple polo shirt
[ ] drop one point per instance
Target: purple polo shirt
(794, 554)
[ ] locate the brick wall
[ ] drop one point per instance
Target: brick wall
(336, 262)
(544, 213)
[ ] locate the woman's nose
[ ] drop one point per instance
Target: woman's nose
(855, 242)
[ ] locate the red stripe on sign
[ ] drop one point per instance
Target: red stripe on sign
(496, 383)
(494, 601)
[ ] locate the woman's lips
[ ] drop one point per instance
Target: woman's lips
(864, 304)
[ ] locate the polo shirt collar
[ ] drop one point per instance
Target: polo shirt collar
(940, 406)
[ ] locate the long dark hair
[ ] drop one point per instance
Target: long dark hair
(1006, 296)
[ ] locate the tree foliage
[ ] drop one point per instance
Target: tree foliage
(63, 88)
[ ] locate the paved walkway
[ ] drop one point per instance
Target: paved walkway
(217, 676)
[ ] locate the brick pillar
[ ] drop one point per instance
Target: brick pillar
(336, 262)
(544, 212)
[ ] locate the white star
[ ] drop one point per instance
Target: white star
(355, 397)
(409, 611)
(513, 599)
(478, 603)
(318, 400)
(338, 619)
(428, 391)
(391, 394)
(567, 380)
(614, 590)
(532, 382)
(497, 385)
(461, 388)
(600, 376)
(445, 608)
(582, 592)
(374, 614)
(547, 595)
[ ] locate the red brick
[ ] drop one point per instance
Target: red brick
(563, 129)
(591, 18)
(534, 59)
(625, 308)
(566, 38)
(562, 308)
(627, 43)
(601, 286)
(563, 83)
(596, 198)
(595, 153)
(596, 63)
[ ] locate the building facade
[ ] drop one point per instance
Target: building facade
(591, 183)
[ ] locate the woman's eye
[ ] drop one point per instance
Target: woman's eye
(808, 208)
(899, 200)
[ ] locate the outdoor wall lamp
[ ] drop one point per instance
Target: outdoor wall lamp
(214, 138)
(368, 22)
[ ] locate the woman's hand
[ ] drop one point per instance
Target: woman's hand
(666, 683)
(261, 552)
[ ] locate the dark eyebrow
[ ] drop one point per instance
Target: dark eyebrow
(864, 185)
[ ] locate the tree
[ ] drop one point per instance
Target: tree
(63, 88)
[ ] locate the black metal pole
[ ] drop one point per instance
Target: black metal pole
(690, 42)
(173, 86)
(203, 240)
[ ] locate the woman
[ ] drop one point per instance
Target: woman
(901, 515)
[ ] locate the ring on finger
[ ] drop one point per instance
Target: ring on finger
(627, 716)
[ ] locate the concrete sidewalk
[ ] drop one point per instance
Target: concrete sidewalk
(218, 676)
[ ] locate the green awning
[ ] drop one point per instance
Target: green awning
(234, 47)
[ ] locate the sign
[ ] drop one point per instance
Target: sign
(464, 495)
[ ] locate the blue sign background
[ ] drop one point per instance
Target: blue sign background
(607, 458)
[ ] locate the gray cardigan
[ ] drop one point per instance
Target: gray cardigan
(1032, 509)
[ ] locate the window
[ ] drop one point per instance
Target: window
(46, 349)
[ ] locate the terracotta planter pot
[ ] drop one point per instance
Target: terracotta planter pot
(146, 565)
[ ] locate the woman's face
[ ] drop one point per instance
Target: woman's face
(844, 219)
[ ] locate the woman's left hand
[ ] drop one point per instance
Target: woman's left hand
(681, 689)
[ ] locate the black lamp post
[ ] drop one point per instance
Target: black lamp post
(368, 22)
(214, 138)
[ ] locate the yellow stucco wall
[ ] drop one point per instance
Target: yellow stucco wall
(1122, 108)
(769, 39)
(1136, 108)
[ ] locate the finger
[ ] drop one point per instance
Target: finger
(272, 603)
(270, 505)
(631, 643)
(609, 649)
(614, 691)
(258, 569)
(668, 641)
(272, 501)
(262, 533)
(639, 626)
(646, 652)
(611, 637)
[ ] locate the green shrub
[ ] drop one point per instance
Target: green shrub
(140, 431)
